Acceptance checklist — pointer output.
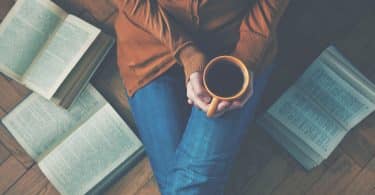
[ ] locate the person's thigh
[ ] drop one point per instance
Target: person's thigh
(161, 112)
(209, 145)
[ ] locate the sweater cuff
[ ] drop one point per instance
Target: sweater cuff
(191, 58)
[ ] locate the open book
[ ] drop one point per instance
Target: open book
(81, 149)
(313, 115)
(49, 51)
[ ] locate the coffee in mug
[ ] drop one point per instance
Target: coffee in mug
(225, 78)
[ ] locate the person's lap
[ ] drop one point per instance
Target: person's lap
(160, 112)
(194, 152)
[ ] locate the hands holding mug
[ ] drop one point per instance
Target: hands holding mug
(225, 84)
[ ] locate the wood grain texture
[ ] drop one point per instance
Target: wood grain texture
(4, 153)
(336, 178)
(299, 181)
(364, 183)
(134, 180)
(271, 175)
(306, 29)
(368, 129)
(20, 89)
(333, 157)
(358, 147)
(49, 190)
(359, 45)
(2, 113)
(16, 150)
(5, 7)
(31, 183)
(10, 98)
(10, 171)
(150, 188)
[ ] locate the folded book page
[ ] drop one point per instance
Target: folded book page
(61, 53)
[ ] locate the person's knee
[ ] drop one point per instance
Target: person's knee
(211, 166)
(198, 175)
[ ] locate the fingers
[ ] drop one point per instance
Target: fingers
(196, 80)
(223, 105)
(194, 99)
(236, 104)
(222, 108)
(199, 97)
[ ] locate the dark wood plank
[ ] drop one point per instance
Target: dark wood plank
(21, 89)
(299, 181)
(9, 99)
(150, 188)
(134, 180)
(10, 171)
(368, 128)
(358, 147)
(359, 44)
(333, 157)
(32, 182)
(271, 175)
(5, 6)
(17, 151)
(365, 182)
(49, 190)
(4, 153)
(336, 178)
(2, 113)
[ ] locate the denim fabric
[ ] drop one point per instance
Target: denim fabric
(189, 153)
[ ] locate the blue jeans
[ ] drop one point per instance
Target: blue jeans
(189, 153)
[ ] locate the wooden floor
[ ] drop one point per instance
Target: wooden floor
(262, 166)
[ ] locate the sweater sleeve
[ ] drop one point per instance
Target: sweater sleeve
(257, 31)
(151, 17)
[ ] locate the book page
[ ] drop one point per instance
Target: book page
(80, 76)
(38, 124)
(23, 33)
(287, 135)
(71, 40)
(308, 121)
(275, 129)
(348, 72)
(342, 98)
(90, 153)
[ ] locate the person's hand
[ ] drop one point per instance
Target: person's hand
(199, 97)
(225, 106)
(196, 93)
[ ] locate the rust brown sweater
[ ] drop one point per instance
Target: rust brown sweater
(153, 35)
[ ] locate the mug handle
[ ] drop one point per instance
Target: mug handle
(212, 108)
